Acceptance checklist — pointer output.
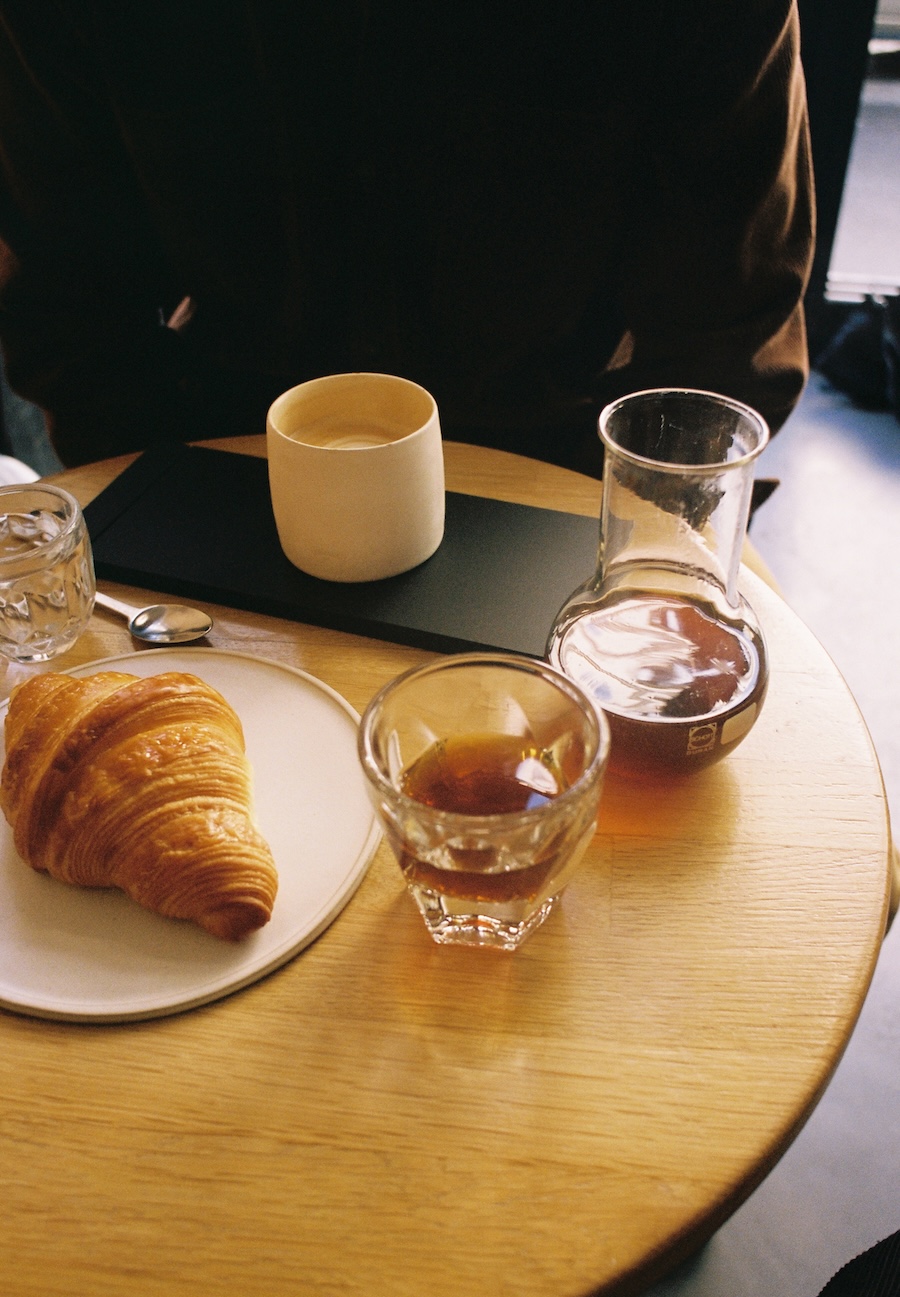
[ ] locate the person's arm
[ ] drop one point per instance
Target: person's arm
(720, 210)
(82, 279)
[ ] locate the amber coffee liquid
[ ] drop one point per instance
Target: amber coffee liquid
(481, 774)
(679, 687)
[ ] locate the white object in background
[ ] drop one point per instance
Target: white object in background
(356, 473)
(13, 471)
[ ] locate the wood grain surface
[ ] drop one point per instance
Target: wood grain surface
(386, 1117)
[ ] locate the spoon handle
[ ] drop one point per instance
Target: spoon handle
(114, 605)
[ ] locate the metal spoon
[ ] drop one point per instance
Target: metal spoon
(162, 623)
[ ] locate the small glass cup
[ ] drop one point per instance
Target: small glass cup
(47, 580)
(661, 638)
(485, 770)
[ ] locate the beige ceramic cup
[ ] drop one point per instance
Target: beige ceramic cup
(356, 473)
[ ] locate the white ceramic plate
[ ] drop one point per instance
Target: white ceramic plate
(96, 956)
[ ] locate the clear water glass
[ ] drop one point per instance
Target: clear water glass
(47, 580)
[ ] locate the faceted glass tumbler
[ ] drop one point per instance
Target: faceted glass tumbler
(486, 772)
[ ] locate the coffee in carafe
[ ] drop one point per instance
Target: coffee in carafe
(660, 638)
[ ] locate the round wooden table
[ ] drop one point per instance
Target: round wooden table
(383, 1116)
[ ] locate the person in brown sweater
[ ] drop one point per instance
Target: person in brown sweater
(529, 209)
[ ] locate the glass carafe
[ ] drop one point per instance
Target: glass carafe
(661, 638)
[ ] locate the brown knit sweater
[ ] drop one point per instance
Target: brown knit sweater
(529, 208)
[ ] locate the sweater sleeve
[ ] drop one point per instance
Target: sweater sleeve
(720, 210)
(82, 277)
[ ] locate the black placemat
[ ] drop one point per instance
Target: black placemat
(198, 523)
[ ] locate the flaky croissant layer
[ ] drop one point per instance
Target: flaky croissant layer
(143, 784)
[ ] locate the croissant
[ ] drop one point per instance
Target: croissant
(142, 784)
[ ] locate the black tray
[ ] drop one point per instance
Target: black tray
(198, 524)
